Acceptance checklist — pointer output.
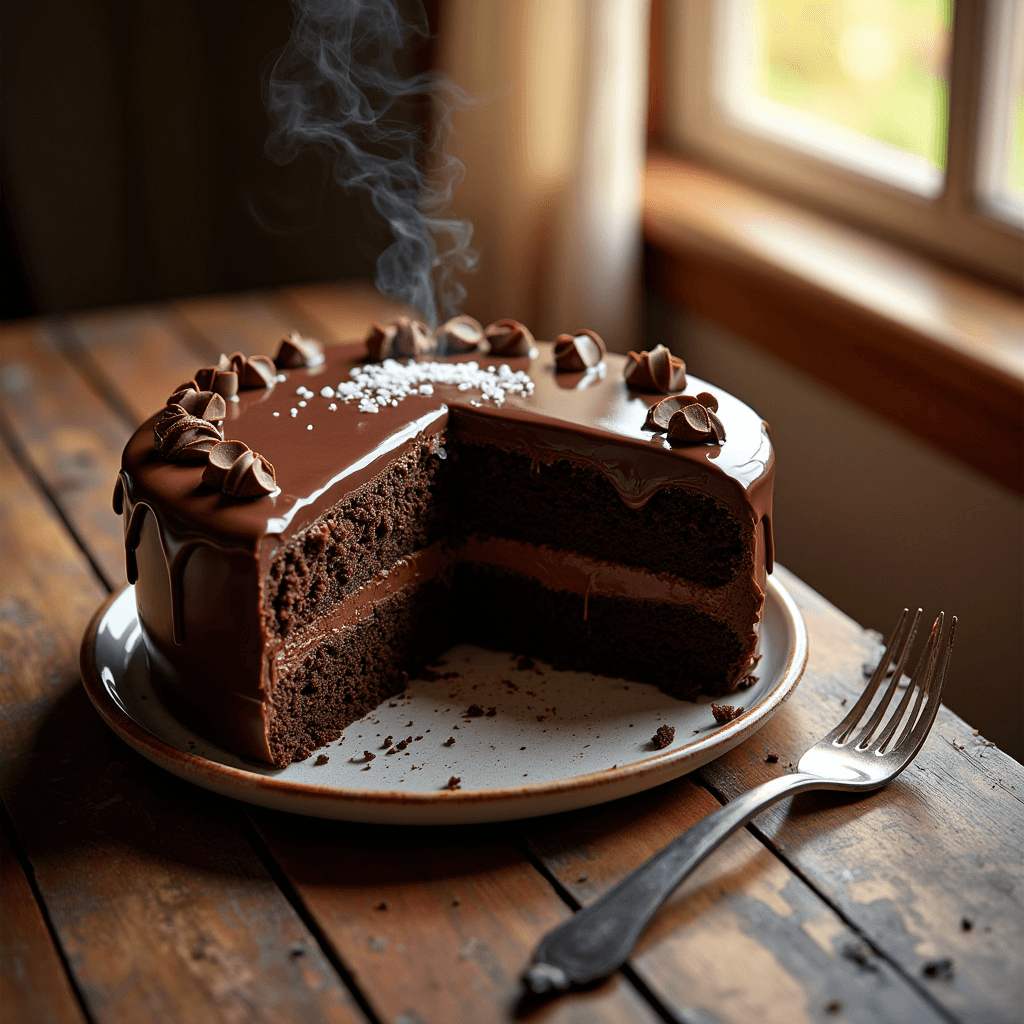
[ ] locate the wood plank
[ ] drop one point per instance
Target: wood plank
(903, 338)
(342, 312)
(253, 323)
(137, 353)
(159, 902)
(71, 436)
(941, 846)
(34, 985)
(464, 912)
(743, 939)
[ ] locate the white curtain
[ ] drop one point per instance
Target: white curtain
(554, 158)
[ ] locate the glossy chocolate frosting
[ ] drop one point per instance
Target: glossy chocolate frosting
(200, 554)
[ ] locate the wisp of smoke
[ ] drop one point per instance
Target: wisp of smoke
(334, 89)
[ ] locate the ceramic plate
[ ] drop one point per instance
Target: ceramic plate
(536, 740)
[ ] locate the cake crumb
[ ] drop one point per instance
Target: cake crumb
(665, 735)
(368, 755)
(834, 1007)
(455, 782)
(725, 712)
(491, 711)
(942, 970)
(388, 740)
(474, 711)
(322, 759)
(771, 758)
(966, 924)
(450, 742)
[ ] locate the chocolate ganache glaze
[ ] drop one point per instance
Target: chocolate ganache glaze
(200, 557)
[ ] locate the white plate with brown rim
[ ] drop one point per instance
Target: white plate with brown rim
(520, 737)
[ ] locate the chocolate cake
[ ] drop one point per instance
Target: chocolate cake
(305, 537)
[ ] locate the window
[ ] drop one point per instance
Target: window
(900, 116)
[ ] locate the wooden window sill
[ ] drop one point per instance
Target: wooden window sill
(937, 353)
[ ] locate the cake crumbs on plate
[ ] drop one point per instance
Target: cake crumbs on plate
(665, 735)
(725, 712)
(368, 755)
(321, 760)
(454, 782)
(450, 742)
(474, 711)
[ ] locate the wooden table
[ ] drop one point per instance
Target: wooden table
(131, 896)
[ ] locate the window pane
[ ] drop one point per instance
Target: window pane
(1001, 156)
(860, 82)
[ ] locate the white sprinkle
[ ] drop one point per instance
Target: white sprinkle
(309, 426)
(280, 377)
(333, 407)
(302, 405)
(277, 414)
(294, 412)
(326, 392)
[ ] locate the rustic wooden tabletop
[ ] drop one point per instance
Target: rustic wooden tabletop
(129, 895)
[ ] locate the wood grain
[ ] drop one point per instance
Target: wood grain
(158, 901)
(342, 312)
(72, 438)
(942, 844)
(743, 939)
(136, 353)
(33, 983)
(903, 338)
(436, 922)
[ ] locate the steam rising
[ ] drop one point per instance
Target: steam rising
(334, 89)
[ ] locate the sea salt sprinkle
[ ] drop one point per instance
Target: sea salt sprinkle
(375, 385)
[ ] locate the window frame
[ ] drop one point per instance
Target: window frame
(953, 226)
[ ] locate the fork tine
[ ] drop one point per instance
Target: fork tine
(897, 675)
(919, 681)
(916, 732)
(842, 731)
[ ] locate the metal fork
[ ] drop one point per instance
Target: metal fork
(861, 753)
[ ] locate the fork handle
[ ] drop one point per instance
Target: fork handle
(599, 938)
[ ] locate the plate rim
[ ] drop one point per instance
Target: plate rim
(249, 786)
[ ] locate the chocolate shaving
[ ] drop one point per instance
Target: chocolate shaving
(509, 338)
(412, 338)
(459, 335)
(657, 370)
(221, 378)
(577, 352)
(254, 371)
(665, 735)
(296, 351)
(207, 405)
(660, 414)
(238, 471)
(380, 342)
(687, 419)
(181, 437)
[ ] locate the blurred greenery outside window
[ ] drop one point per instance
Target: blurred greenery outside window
(906, 116)
(866, 83)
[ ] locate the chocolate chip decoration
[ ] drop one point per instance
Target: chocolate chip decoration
(238, 471)
(577, 352)
(380, 342)
(509, 338)
(687, 419)
(459, 335)
(657, 370)
(253, 371)
(295, 351)
(221, 378)
(181, 437)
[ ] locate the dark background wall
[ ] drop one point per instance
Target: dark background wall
(133, 160)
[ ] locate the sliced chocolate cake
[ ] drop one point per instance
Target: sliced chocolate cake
(305, 537)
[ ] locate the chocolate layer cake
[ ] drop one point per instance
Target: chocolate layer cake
(498, 500)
